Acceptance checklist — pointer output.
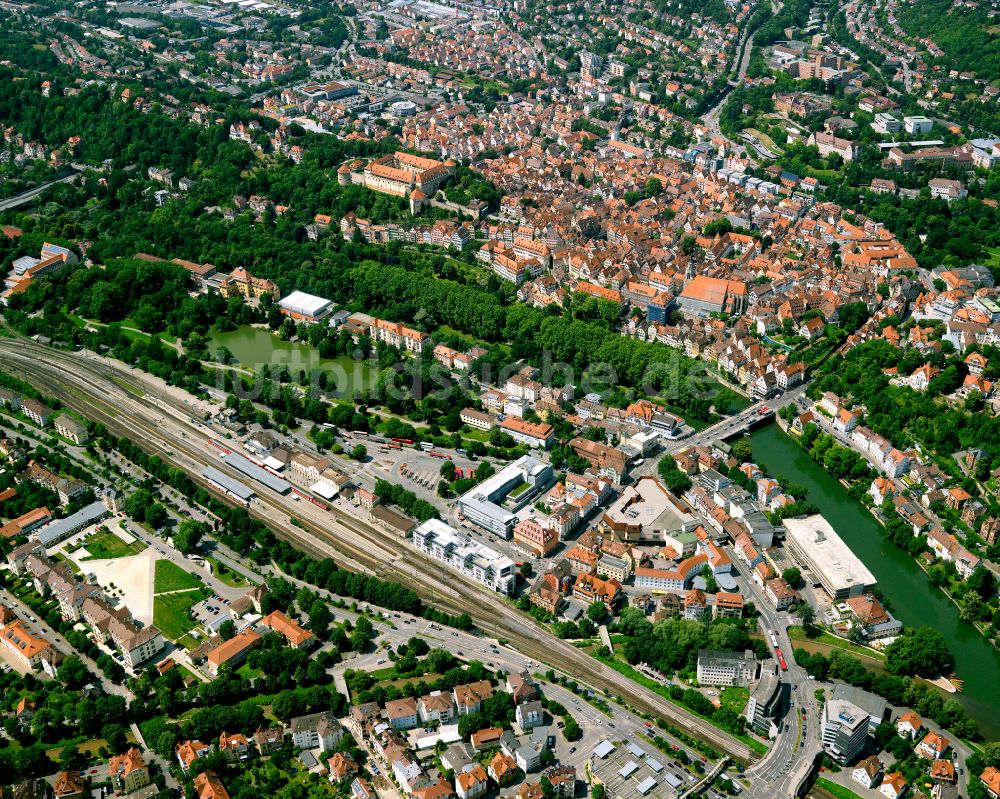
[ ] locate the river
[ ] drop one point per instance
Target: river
(252, 347)
(914, 602)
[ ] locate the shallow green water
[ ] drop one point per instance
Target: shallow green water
(253, 347)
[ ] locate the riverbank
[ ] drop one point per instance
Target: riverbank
(899, 577)
(981, 627)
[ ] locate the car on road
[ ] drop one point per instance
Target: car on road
(572, 749)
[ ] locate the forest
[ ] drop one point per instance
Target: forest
(964, 33)
(671, 646)
(904, 416)
(894, 688)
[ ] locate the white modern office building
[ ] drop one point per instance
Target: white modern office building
(845, 730)
(726, 668)
(482, 563)
(492, 504)
(305, 307)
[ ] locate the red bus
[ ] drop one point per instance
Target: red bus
(403, 440)
(781, 659)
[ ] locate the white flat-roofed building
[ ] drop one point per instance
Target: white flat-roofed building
(235, 488)
(918, 124)
(478, 561)
(763, 710)
(477, 419)
(845, 730)
(305, 307)
(726, 668)
(484, 504)
(886, 123)
(816, 545)
(60, 529)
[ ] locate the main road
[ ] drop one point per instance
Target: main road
(790, 760)
(107, 392)
(738, 423)
(32, 194)
(710, 119)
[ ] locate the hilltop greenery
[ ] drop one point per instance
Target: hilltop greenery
(967, 34)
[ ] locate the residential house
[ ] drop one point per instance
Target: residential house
(234, 746)
(502, 769)
(909, 725)
(529, 715)
(34, 410)
(589, 588)
(472, 783)
(437, 706)
(269, 740)
(486, 739)
(70, 428)
(402, 713)
(846, 420)
(990, 778)
(942, 771)
(780, 594)
(317, 730)
(68, 785)
(521, 687)
(340, 767)
(893, 785)
(189, 751)
(209, 786)
(933, 746)
(469, 698)
(728, 605)
(868, 772)
(874, 620)
(128, 772)
(25, 647)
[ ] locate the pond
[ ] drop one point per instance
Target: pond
(253, 347)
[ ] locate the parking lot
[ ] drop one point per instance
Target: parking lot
(422, 476)
(209, 610)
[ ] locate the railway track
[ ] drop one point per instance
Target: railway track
(111, 396)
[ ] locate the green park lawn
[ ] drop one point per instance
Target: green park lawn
(227, 575)
(735, 697)
(104, 544)
(837, 790)
(799, 634)
(171, 577)
(172, 612)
